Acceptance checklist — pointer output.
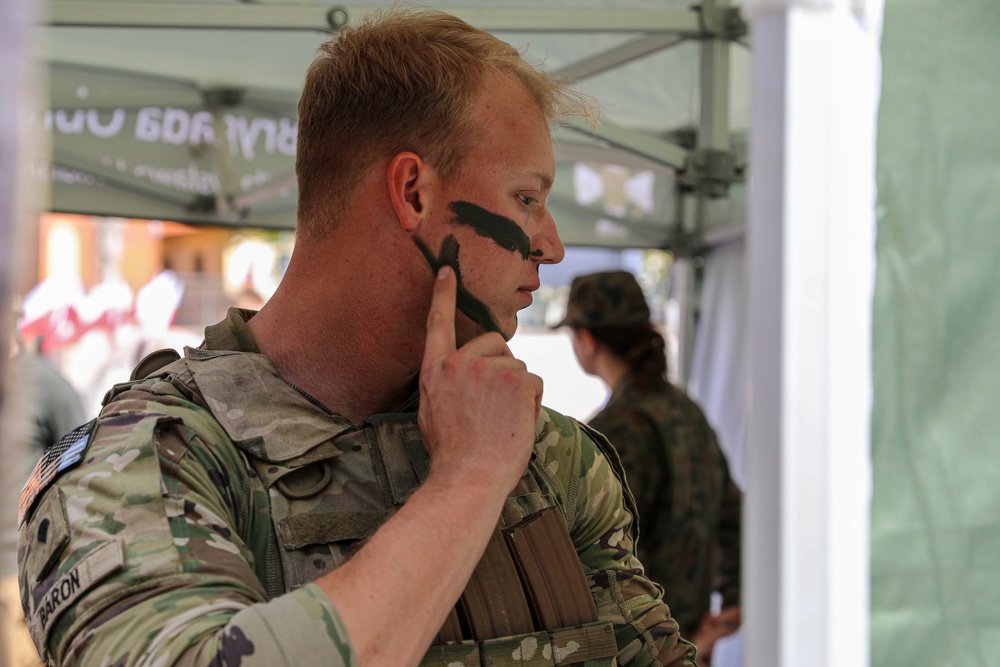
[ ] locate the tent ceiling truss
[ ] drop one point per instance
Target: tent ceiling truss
(705, 171)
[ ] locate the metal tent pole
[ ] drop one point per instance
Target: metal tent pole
(709, 168)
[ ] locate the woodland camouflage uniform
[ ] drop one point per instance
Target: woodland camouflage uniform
(689, 507)
(175, 531)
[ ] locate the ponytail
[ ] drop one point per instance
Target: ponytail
(641, 346)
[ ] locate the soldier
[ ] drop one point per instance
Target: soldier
(689, 507)
(361, 473)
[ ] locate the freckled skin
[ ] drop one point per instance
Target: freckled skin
(473, 308)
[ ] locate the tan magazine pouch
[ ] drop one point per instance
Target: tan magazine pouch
(527, 603)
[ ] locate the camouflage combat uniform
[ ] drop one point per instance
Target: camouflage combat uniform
(208, 496)
(689, 508)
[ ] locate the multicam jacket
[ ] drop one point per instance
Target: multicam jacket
(174, 530)
(688, 506)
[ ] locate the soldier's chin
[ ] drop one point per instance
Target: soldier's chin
(513, 329)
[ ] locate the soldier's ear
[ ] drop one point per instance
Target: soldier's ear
(409, 180)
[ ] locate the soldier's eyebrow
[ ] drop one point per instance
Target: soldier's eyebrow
(503, 231)
(545, 178)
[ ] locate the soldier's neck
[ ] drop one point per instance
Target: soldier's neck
(610, 368)
(354, 356)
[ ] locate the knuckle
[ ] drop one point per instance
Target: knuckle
(512, 376)
(479, 365)
(453, 362)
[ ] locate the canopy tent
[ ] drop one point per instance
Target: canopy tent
(186, 111)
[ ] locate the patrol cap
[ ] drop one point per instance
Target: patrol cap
(605, 299)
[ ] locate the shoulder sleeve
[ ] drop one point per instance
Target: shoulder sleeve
(147, 551)
(598, 510)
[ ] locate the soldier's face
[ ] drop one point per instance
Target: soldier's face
(494, 227)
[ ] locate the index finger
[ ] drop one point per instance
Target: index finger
(441, 317)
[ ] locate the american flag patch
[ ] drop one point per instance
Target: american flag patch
(60, 456)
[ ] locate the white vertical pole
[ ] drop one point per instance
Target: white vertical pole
(810, 273)
(15, 78)
(13, 59)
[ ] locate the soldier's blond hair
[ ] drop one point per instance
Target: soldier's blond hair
(400, 80)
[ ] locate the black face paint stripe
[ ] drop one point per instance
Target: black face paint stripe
(473, 308)
(507, 233)
(448, 256)
(476, 311)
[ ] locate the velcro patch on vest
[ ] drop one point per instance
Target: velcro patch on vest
(46, 536)
(95, 566)
(66, 453)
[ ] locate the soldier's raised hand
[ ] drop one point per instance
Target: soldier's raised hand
(478, 404)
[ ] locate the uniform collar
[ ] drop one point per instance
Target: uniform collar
(261, 412)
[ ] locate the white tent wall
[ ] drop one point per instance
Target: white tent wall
(935, 423)
(718, 374)
(718, 377)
